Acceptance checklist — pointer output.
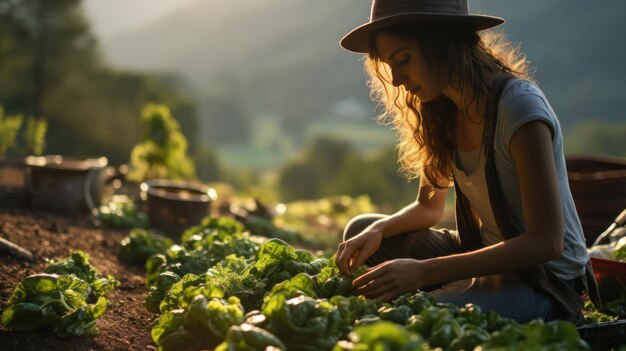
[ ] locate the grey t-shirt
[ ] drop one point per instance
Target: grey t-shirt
(522, 102)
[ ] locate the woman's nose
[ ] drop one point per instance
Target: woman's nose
(397, 78)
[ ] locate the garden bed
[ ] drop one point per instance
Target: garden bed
(125, 325)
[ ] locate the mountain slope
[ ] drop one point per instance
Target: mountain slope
(281, 57)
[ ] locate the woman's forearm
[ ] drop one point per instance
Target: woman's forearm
(511, 255)
(413, 217)
(425, 212)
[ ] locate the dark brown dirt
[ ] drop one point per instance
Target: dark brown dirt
(126, 324)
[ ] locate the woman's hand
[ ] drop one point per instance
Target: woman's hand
(353, 252)
(390, 279)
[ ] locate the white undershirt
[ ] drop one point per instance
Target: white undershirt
(469, 171)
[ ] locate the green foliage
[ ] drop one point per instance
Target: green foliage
(51, 67)
(616, 308)
(619, 253)
(597, 137)
(309, 177)
(298, 301)
(558, 334)
(122, 212)
(331, 166)
(263, 226)
(381, 335)
(202, 325)
(322, 220)
(278, 267)
(330, 281)
(163, 283)
(55, 303)
(304, 323)
(162, 152)
(140, 244)
(247, 337)
(208, 165)
(277, 261)
(33, 134)
(65, 300)
(78, 264)
(9, 128)
(217, 243)
(592, 315)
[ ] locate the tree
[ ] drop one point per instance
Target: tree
(49, 39)
(50, 66)
(299, 180)
(330, 166)
(9, 127)
(208, 166)
(162, 152)
(313, 175)
(33, 134)
(597, 137)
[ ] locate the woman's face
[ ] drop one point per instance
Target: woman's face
(408, 67)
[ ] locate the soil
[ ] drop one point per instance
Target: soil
(126, 324)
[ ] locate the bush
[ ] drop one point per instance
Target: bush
(162, 152)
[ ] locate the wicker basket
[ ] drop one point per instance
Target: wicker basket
(65, 185)
(174, 206)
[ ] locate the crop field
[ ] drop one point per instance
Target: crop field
(126, 323)
(230, 283)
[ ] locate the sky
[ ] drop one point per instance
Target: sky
(110, 18)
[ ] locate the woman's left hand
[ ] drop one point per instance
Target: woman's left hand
(390, 279)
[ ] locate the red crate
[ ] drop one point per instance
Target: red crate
(604, 267)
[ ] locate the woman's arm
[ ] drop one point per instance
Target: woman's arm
(424, 212)
(531, 147)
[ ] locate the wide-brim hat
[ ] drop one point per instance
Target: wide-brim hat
(388, 13)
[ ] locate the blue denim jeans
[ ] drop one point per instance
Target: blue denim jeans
(506, 294)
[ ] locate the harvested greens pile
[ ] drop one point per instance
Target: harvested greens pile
(66, 299)
(224, 289)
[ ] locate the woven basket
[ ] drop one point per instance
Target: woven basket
(174, 206)
(65, 185)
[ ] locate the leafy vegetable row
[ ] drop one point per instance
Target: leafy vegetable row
(66, 299)
(291, 319)
(223, 289)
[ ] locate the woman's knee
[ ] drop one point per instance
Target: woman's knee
(360, 222)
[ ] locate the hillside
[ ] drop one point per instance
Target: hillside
(280, 58)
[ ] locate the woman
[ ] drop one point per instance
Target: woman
(468, 117)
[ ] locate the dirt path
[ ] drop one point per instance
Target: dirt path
(125, 325)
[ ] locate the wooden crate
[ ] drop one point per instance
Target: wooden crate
(598, 186)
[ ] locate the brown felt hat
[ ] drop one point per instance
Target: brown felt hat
(387, 13)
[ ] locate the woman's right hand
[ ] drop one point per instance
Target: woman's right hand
(353, 252)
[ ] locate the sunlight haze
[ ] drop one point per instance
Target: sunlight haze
(111, 18)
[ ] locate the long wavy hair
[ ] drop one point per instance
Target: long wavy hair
(426, 129)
